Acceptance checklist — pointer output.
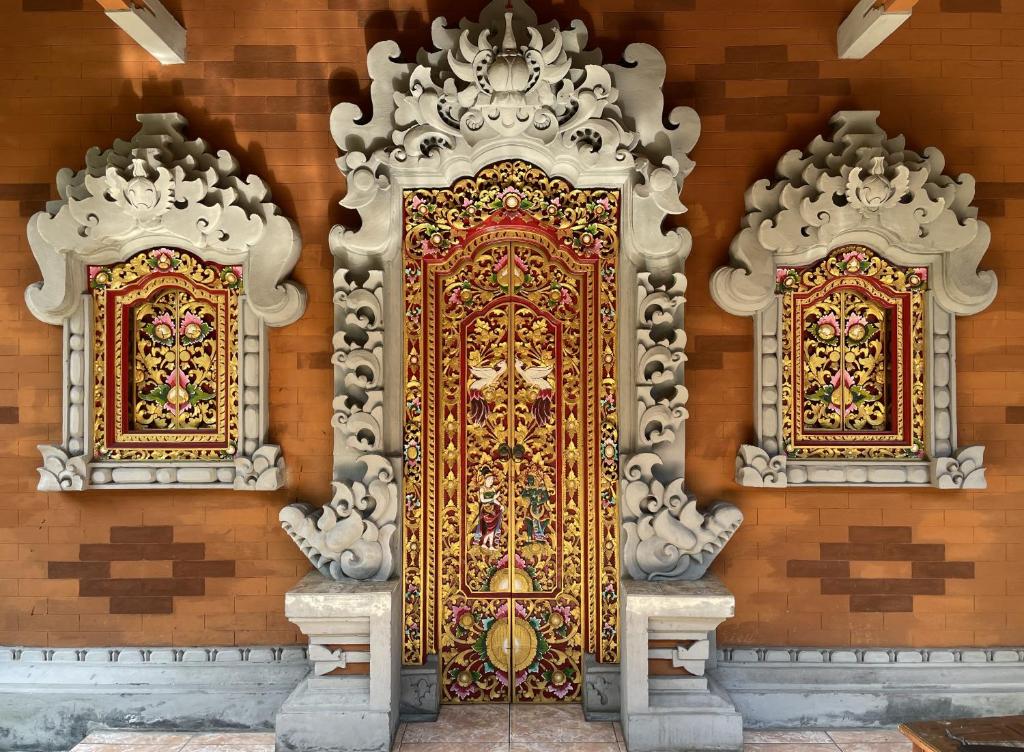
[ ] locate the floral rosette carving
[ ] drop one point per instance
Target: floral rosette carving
(857, 368)
(165, 368)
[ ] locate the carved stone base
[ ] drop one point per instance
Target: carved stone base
(421, 691)
(669, 700)
(602, 699)
(349, 702)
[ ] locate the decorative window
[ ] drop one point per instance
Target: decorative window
(164, 266)
(165, 363)
(854, 265)
(853, 373)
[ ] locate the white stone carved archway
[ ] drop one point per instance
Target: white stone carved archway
(162, 189)
(860, 187)
(498, 89)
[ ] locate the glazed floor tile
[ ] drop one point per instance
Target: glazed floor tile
(477, 724)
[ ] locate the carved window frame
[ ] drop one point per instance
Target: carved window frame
(420, 136)
(860, 188)
(160, 190)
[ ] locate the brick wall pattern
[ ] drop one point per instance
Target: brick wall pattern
(79, 569)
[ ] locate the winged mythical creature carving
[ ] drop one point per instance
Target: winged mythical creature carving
(483, 378)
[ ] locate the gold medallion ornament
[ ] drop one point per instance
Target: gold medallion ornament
(165, 362)
(853, 357)
(511, 445)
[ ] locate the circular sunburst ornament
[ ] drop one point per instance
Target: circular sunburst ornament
(511, 202)
(826, 331)
(465, 678)
(511, 645)
(466, 620)
(556, 620)
(512, 580)
(586, 239)
(856, 332)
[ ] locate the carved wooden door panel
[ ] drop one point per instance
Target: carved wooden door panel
(511, 539)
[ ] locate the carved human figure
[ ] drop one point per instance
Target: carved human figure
(538, 521)
(489, 519)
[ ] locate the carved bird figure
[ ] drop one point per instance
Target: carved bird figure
(536, 377)
(483, 377)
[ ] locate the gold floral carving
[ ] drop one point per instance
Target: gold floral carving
(511, 457)
(853, 381)
(165, 358)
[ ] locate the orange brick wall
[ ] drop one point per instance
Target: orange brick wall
(261, 79)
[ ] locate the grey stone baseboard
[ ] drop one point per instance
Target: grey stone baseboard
(51, 698)
(815, 687)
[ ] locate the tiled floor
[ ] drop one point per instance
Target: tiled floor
(500, 728)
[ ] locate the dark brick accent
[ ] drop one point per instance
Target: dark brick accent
(882, 586)
(141, 605)
(254, 53)
(1015, 414)
(141, 551)
(787, 70)
(298, 104)
(798, 568)
(74, 570)
(149, 534)
(883, 551)
(757, 53)
(1000, 190)
(755, 123)
(24, 191)
(722, 343)
(8, 415)
(828, 87)
(971, 6)
(633, 20)
(174, 551)
(705, 361)
(313, 360)
(46, 5)
(265, 122)
(950, 570)
(866, 534)
(204, 569)
(991, 207)
(110, 552)
(882, 543)
(882, 603)
(237, 70)
(144, 586)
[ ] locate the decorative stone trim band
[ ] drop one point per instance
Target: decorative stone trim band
(154, 656)
(829, 687)
(872, 656)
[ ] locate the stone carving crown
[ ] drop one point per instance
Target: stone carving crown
(161, 189)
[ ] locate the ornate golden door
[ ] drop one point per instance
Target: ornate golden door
(511, 465)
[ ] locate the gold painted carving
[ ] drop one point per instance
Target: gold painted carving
(511, 458)
(853, 357)
(165, 360)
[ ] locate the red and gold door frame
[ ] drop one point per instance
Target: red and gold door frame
(510, 439)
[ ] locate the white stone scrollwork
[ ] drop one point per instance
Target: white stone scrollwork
(354, 534)
(755, 468)
(61, 472)
(964, 470)
(263, 471)
(665, 535)
(160, 188)
(859, 187)
(506, 88)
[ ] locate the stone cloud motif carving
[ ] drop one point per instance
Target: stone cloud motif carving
(161, 189)
(504, 88)
(860, 187)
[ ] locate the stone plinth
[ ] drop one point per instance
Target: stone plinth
(350, 699)
(669, 699)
